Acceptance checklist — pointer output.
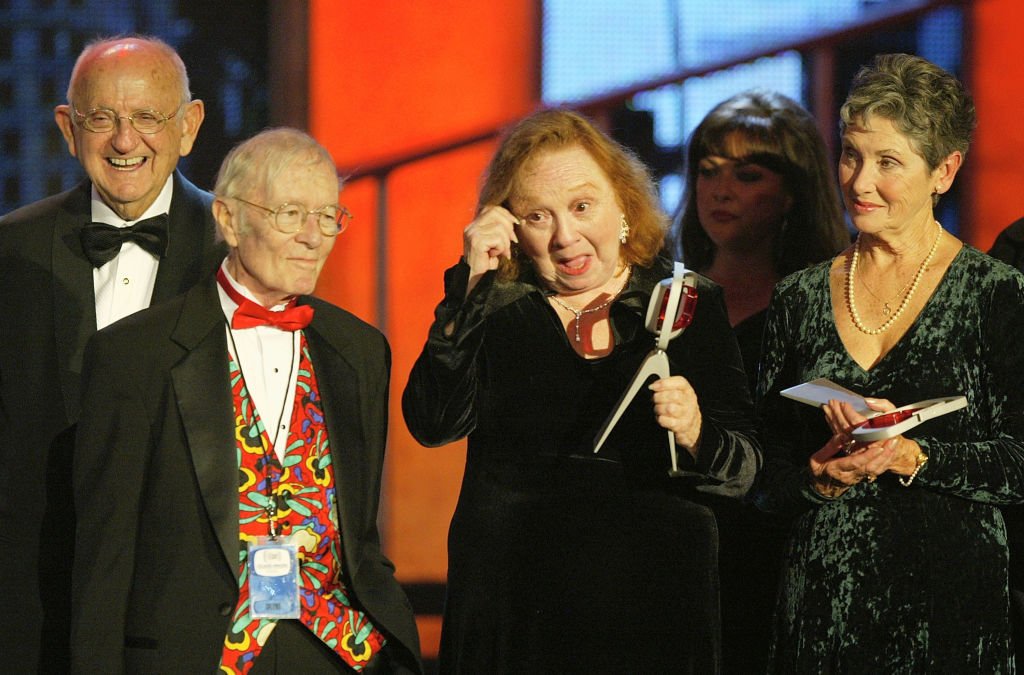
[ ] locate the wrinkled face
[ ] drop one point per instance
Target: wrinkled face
(886, 184)
(275, 266)
(740, 205)
(570, 220)
(129, 168)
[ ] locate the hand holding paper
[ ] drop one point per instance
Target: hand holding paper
(868, 437)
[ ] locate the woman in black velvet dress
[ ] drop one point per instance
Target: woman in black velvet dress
(562, 560)
(761, 203)
(898, 559)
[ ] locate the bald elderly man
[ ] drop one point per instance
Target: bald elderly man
(134, 232)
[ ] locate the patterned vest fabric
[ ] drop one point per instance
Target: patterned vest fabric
(303, 486)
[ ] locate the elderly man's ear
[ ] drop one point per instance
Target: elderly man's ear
(192, 119)
(226, 216)
(62, 116)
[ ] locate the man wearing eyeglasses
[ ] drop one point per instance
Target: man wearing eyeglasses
(227, 478)
(133, 233)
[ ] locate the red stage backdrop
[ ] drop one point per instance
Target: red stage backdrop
(388, 79)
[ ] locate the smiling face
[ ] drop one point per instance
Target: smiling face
(886, 184)
(570, 221)
(127, 168)
(272, 265)
(740, 205)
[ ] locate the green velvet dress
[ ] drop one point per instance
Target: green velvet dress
(886, 578)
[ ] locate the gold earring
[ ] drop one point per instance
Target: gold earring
(623, 230)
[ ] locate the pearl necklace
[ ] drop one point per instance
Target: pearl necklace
(906, 299)
(578, 313)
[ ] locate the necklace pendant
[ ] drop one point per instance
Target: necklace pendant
(886, 309)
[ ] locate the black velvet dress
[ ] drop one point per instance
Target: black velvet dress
(886, 578)
(560, 560)
(751, 545)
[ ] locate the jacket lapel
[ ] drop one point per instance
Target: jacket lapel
(189, 241)
(339, 388)
(207, 413)
(190, 253)
(203, 391)
(74, 304)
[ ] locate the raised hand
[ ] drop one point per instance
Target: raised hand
(487, 240)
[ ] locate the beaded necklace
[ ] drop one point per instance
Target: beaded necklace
(578, 313)
(855, 317)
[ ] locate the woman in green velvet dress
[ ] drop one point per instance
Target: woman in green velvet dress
(563, 560)
(898, 559)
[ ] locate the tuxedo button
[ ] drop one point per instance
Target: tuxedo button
(224, 609)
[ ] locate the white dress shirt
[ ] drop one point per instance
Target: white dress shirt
(124, 285)
(269, 359)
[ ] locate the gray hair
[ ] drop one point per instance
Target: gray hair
(256, 162)
(926, 103)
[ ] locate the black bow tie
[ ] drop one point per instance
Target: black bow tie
(101, 242)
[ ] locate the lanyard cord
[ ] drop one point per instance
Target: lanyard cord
(271, 505)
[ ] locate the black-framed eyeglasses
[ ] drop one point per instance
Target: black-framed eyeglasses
(102, 120)
(289, 218)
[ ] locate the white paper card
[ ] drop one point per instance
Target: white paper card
(821, 391)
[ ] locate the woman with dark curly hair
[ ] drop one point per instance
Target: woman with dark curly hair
(562, 559)
(761, 202)
(898, 557)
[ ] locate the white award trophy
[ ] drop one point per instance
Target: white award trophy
(669, 312)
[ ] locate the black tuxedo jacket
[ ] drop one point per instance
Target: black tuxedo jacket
(156, 486)
(1009, 245)
(48, 313)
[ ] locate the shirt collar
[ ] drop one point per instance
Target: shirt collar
(227, 304)
(102, 213)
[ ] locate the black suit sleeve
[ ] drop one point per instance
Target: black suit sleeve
(109, 472)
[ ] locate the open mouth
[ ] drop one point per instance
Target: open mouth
(126, 163)
(575, 266)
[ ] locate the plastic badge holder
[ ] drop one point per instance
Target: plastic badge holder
(901, 420)
(669, 312)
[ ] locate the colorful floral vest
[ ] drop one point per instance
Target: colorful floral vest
(303, 486)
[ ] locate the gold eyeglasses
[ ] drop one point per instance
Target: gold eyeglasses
(288, 218)
(102, 120)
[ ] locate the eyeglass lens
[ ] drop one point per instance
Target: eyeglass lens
(289, 218)
(143, 121)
